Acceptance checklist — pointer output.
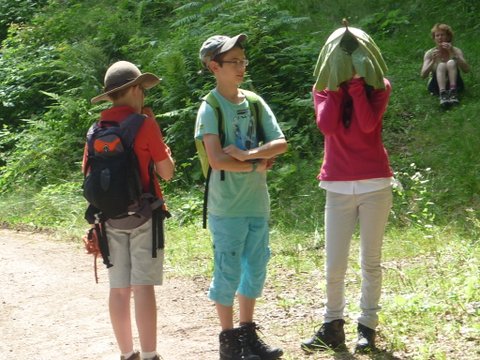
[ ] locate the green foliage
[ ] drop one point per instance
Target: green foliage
(17, 12)
(53, 58)
(413, 205)
(58, 207)
(384, 23)
(27, 68)
(49, 150)
(439, 290)
(52, 63)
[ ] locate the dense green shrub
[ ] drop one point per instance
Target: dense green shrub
(17, 12)
(55, 54)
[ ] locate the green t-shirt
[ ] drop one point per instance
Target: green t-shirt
(241, 193)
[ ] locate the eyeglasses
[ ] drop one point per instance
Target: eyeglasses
(238, 63)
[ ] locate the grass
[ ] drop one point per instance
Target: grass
(431, 293)
(427, 296)
(57, 209)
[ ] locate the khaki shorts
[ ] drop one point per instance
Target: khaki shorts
(131, 256)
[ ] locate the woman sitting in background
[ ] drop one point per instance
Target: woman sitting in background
(443, 62)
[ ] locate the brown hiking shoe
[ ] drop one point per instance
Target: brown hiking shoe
(257, 345)
(444, 98)
(330, 336)
(135, 356)
(452, 97)
(234, 346)
(366, 339)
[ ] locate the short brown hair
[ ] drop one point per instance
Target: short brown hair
(442, 27)
(114, 96)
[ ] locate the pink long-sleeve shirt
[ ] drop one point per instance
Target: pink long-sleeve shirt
(356, 152)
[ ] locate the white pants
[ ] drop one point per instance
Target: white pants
(342, 212)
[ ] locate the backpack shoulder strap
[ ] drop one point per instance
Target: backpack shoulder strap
(211, 100)
(130, 127)
(250, 95)
(256, 109)
(91, 132)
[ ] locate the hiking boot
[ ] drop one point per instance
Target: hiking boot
(366, 339)
(452, 97)
(234, 346)
(329, 336)
(135, 356)
(257, 345)
(444, 98)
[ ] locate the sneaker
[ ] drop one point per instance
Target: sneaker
(366, 339)
(444, 98)
(258, 346)
(234, 346)
(329, 336)
(452, 97)
(135, 356)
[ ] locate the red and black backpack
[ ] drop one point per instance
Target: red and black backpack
(112, 181)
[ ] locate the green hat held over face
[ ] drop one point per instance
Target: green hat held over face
(348, 51)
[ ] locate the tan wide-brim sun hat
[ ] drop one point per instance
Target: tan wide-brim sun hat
(124, 74)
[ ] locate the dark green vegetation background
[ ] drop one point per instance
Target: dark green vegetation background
(54, 54)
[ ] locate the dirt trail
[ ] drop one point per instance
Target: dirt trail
(50, 306)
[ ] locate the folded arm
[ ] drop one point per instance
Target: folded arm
(266, 151)
(220, 160)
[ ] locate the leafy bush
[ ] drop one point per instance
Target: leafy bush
(17, 12)
(52, 63)
(49, 149)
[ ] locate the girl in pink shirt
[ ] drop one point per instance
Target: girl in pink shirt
(357, 177)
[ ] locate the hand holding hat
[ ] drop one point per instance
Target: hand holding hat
(347, 51)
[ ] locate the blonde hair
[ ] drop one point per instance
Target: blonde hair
(443, 27)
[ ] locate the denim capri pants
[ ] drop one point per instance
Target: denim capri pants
(241, 253)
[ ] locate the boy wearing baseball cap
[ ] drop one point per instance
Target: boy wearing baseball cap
(238, 200)
(134, 271)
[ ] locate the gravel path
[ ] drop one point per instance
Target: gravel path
(51, 307)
